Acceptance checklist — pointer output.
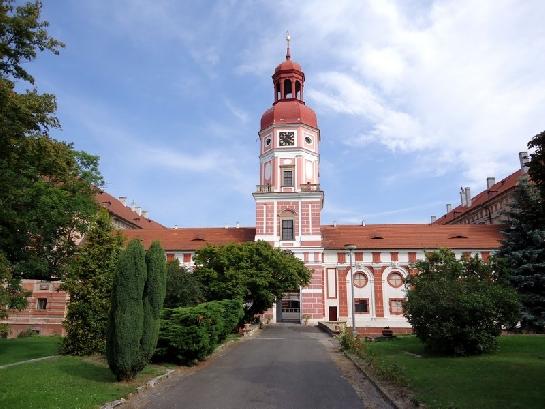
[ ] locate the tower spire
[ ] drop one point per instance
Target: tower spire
(288, 38)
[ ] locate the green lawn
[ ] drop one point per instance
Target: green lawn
(512, 377)
(65, 382)
(60, 382)
(21, 349)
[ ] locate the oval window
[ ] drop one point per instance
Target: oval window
(395, 279)
(360, 280)
(308, 140)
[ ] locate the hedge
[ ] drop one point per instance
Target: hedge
(188, 334)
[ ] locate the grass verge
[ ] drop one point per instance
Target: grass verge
(66, 382)
(510, 378)
(22, 349)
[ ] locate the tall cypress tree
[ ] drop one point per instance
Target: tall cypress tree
(154, 296)
(126, 324)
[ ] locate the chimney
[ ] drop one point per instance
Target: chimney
(238, 225)
(123, 200)
(138, 210)
(524, 159)
(133, 206)
(145, 213)
(433, 219)
(449, 207)
(468, 196)
(175, 227)
(462, 197)
(490, 181)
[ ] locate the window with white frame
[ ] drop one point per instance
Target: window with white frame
(396, 306)
(287, 177)
(361, 305)
(287, 230)
(41, 304)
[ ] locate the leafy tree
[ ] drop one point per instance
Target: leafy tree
(46, 187)
(254, 272)
(89, 283)
(459, 306)
(183, 287)
(154, 296)
(12, 296)
(137, 298)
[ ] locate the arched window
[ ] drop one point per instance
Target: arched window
(278, 91)
(297, 90)
(288, 91)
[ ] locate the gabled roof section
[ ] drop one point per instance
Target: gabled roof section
(483, 197)
(116, 208)
(191, 239)
(413, 236)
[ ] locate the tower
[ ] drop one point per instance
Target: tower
(288, 197)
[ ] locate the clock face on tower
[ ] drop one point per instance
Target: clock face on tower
(286, 138)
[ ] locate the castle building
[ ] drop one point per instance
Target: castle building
(289, 201)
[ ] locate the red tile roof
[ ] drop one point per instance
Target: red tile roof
(482, 198)
(413, 236)
(379, 236)
(114, 206)
(190, 239)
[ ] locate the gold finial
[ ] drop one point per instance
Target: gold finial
(288, 38)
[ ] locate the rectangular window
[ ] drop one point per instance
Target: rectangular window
(361, 305)
(287, 230)
(170, 257)
(287, 177)
(396, 306)
(41, 304)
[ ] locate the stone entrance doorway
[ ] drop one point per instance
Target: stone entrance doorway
(289, 308)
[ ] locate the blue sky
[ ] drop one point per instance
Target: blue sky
(414, 98)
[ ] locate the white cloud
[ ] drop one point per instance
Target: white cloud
(238, 112)
(459, 82)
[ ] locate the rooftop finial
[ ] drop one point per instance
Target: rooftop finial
(288, 38)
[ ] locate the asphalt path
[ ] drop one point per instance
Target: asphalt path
(282, 367)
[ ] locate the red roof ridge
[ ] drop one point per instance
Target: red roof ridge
(114, 206)
(483, 197)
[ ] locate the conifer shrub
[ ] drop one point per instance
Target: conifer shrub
(189, 334)
(126, 323)
(154, 296)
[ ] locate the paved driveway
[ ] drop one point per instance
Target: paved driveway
(284, 366)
